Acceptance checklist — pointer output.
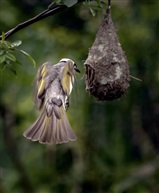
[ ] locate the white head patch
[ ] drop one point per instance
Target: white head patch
(66, 59)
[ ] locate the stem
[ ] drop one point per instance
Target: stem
(109, 4)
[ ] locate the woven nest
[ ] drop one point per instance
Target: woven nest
(106, 68)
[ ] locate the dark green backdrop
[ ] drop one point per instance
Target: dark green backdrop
(118, 142)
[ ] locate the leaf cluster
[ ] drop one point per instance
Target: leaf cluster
(8, 58)
(94, 6)
(68, 3)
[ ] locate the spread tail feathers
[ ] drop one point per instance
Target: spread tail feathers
(51, 129)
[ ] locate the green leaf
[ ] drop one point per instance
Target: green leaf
(29, 57)
(70, 3)
(12, 69)
(58, 2)
(3, 37)
(11, 57)
(2, 52)
(51, 5)
(93, 12)
(17, 43)
(2, 58)
(7, 45)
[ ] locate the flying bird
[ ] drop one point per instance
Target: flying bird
(54, 84)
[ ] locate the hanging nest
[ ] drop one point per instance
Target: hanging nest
(106, 68)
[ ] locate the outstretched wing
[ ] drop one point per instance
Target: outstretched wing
(67, 78)
(42, 82)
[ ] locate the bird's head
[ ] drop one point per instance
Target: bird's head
(71, 63)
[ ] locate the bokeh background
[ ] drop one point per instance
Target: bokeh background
(118, 142)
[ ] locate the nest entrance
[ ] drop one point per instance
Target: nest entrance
(106, 68)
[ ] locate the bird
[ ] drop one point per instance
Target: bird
(53, 86)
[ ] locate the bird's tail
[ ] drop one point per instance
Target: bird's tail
(53, 128)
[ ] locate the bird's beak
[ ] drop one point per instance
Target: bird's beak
(76, 69)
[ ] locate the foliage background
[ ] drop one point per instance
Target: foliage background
(118, 142)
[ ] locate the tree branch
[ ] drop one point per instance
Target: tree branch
(38, 17)
(46, 13)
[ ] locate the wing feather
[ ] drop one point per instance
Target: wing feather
(41, 83)
(67, 78)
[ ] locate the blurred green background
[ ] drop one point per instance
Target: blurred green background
(118, 142)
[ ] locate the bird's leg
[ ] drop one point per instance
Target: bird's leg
(66, 103)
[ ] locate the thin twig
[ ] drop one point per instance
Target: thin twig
(46, 13)
(38, 17)
(109, 4)
(136, 78)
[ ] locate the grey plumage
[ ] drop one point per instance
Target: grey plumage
(54, 84)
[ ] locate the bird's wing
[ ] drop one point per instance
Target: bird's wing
(67, 79)
(42, 82)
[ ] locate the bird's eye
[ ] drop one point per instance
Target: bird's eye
(76, 69)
